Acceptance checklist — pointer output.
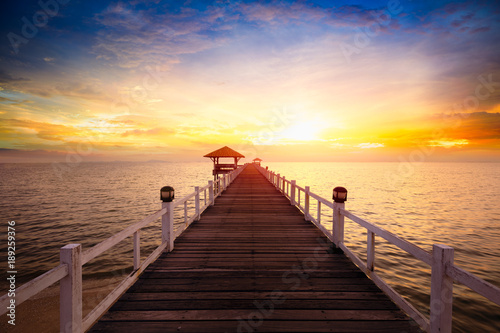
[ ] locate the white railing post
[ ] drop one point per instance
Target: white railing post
(211, 192)
(292, 195)
(137, 249)
(441, 289)
(370, 250)
(318, 219)
(306, 204)
(277, 184)
(185, 213)
(338, 224)
(71, 290)
(167, 225)
(197, 203)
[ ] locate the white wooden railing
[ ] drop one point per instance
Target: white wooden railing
(443, 270)
(72, 258)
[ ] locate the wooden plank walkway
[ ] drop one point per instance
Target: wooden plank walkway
(252, 264)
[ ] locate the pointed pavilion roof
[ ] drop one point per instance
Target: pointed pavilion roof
(224, 152)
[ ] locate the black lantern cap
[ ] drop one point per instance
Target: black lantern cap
(167, 194)
(339, 194)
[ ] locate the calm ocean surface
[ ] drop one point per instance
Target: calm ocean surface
(449, 203)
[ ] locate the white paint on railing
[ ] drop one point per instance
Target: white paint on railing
(167, 225)
(292, 196)
(185, 213)
(34, 286)
(197, 203)
(137, 249)
(325, 202)
(441, 289)
(370, 250)
(411, 248)
(338, 223)
(120, 236)
(480, 286)
(318, 215)
(298, 197)
(306, 204)
(71, 289)
(211, 192)
(126, 283)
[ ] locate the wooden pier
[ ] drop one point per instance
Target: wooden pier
(253, 264)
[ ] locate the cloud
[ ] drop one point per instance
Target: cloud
(85, 89)
(132, 38)
(300, 13)
(280, 12)
(149, 132)
(370, 145)
(480, 29)
(45, 131)
(448, 143)
(5, 99)
(477, 126)
(7, 78)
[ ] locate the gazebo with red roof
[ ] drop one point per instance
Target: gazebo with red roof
(224, 152)
(257, 161)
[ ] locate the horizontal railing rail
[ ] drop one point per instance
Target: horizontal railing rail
(443, 270)
(72, 258)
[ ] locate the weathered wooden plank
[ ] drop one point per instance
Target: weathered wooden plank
(222, 304)
(261, 295)
(277, 314)
(243, 325)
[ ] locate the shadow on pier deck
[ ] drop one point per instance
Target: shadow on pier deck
(253, 264)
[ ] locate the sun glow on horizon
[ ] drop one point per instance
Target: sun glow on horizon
(308, 130)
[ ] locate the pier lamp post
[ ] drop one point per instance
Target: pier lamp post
(339, 197)
(167, 193)
(167, 219)
(339, 194)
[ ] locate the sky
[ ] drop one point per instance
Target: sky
(313, 80)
